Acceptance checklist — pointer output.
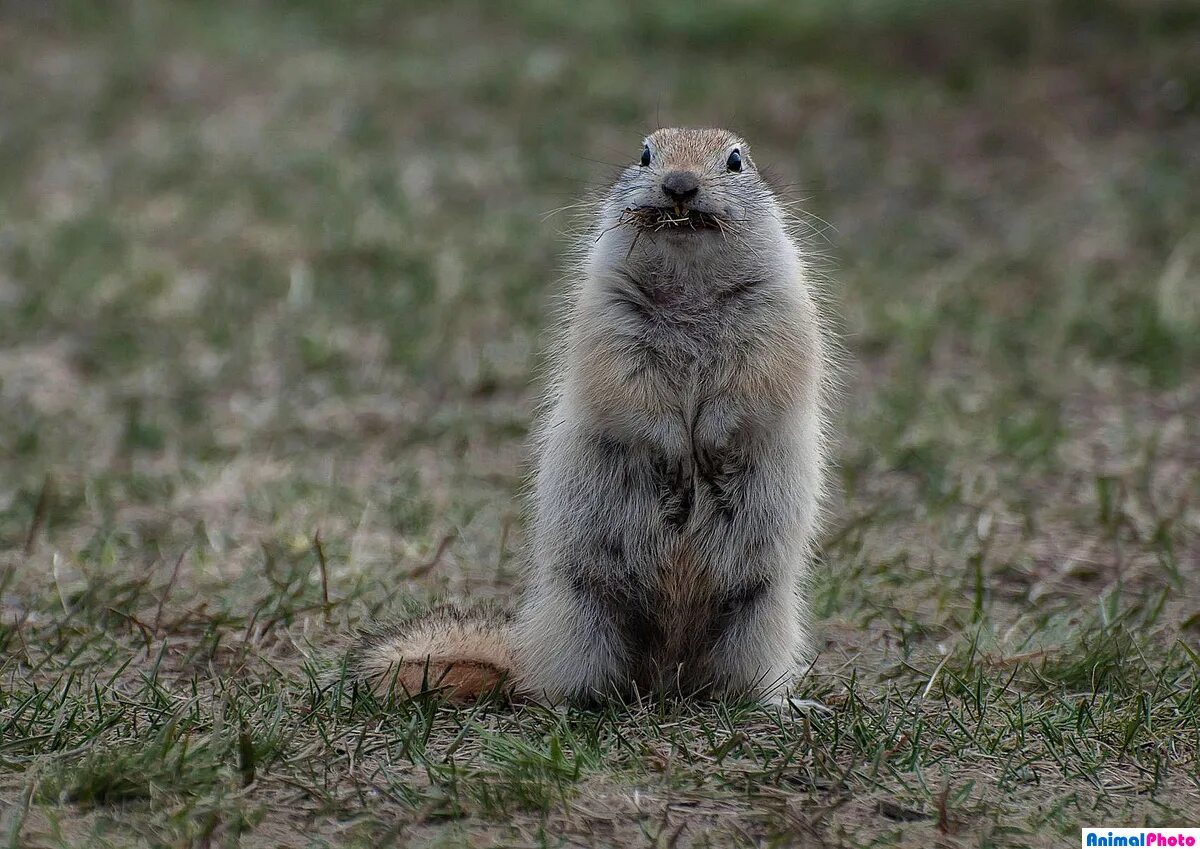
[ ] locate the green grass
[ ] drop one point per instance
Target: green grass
(275, 283)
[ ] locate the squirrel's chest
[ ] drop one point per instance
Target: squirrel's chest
(686, 354)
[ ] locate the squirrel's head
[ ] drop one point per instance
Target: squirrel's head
(690, 184)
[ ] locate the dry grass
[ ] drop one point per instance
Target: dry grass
(275, 279)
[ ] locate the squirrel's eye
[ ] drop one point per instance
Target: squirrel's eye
(734, 162)
(645, 155)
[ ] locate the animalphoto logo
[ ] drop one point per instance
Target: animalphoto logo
(1150, 837)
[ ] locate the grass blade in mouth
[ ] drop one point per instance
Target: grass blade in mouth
(655, 218)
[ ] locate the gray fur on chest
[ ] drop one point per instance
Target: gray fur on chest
(692, 333)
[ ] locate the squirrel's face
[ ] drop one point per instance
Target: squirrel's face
(690, 184)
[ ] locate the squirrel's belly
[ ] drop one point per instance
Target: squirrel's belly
(673, 651)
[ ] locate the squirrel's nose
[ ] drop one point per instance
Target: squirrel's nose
(681, 185)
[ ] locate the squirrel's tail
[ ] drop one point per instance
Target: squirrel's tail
(463, 653)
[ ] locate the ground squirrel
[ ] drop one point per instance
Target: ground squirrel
(679, 461)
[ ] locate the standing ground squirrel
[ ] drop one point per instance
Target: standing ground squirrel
(679, 461)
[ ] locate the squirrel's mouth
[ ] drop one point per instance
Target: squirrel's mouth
(674, 219)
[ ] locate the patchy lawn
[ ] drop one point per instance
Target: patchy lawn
(275, 281)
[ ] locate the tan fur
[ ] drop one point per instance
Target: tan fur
(464, 654)
(687, 601)
(689, 148)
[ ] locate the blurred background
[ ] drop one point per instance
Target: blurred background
(270, 268)
(276, 279)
